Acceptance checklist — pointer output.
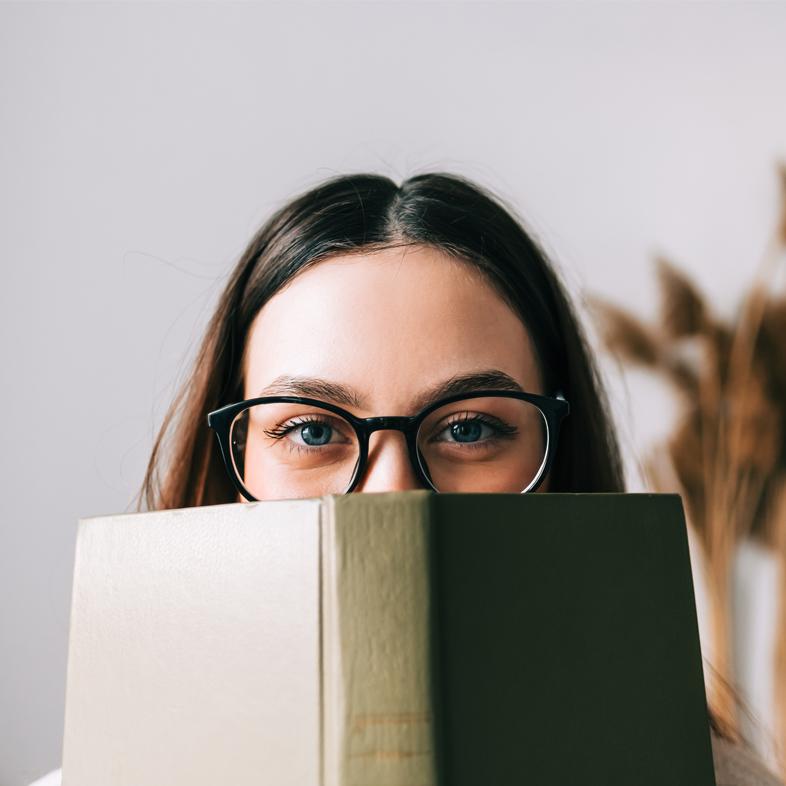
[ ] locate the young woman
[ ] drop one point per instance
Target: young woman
(376, 337)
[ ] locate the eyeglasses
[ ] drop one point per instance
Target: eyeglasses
(287, 447)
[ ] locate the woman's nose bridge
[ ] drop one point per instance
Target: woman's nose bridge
(385, 468)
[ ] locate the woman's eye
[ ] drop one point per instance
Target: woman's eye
(467, 431)
(312, 433)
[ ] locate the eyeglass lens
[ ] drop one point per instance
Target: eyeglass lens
(487, 444)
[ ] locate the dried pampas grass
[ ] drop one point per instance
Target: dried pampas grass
(727, 451)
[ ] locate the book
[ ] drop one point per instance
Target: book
(388, 639)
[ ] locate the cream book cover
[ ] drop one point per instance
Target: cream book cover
(392, 639)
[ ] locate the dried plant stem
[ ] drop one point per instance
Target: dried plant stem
(718, 541)
(721, 699)
(741, 359)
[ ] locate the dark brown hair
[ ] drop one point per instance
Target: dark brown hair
(363, 213)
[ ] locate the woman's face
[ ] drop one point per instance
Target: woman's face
(388, 328)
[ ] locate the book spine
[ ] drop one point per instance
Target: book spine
(377, 616)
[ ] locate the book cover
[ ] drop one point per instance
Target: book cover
(388, 639)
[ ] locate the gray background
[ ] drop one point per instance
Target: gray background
(142, 144)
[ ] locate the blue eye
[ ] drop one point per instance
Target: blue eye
(316, 434)
(473, 430)
(310, 432)
(467, 431)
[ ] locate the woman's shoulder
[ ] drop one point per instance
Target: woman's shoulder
(50, 779)
(735, 765)
(738, 765)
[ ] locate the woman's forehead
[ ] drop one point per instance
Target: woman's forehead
(388, 325)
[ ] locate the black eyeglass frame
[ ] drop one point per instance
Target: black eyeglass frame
(554, 409)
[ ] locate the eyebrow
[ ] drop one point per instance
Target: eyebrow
(314, 387)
